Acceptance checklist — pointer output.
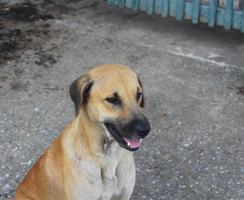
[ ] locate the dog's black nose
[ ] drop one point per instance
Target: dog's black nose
(142, 128)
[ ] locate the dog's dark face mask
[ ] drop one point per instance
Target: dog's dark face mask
(129, 133)
(113, 97)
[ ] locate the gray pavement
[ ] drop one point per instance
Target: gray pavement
(193, 78)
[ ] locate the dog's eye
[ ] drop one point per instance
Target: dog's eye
(138, 95)
(114, 100)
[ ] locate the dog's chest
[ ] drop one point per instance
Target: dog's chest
(106, 182)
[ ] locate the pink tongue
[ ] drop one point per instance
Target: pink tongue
(133, 143)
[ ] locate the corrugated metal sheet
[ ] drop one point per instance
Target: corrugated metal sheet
(226, 13)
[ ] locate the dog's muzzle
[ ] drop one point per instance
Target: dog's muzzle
(129, 135)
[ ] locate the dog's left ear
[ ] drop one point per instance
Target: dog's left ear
(80, 92)
(142, 104)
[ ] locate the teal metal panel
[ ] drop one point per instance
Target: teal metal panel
(135, 5)
(165, 8)
(212, 12)
(150, 6)
(172, 8)
(180, 4)
(143, 5)
(195, 11)
(242, 22)
(220, 17)
(237, 20)
(228, 14)
(191, 10)
(188, 11)
(158, 6)
(121, 3)
(111, 2)
(204, 14)
(129, 4)
(116, 2)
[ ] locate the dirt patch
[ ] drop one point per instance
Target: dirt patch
(7, 195)
(19, 29)
(46, 60)
(24, 30)
(19, 85)
(24, 27)
(3, 78)
(240, 90)
(10, 41)
(23, 12)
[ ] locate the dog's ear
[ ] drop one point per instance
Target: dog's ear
(80, 91)
(142, 104)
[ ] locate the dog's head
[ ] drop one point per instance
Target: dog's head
(112, 98)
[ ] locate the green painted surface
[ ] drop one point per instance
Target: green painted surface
(212, 9)
(194, 11)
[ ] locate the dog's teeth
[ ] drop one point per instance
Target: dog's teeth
(105, 147)
(129, 144)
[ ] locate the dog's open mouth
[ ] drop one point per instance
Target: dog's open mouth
(133, 143)
(127, 143)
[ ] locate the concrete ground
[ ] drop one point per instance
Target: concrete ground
(193, 78)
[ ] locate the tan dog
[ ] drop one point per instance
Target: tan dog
(92, 158)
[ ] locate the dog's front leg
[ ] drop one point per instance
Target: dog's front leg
(126, 172)
(126, 194)
(129, 186)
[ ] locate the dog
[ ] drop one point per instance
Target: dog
(93, 159)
